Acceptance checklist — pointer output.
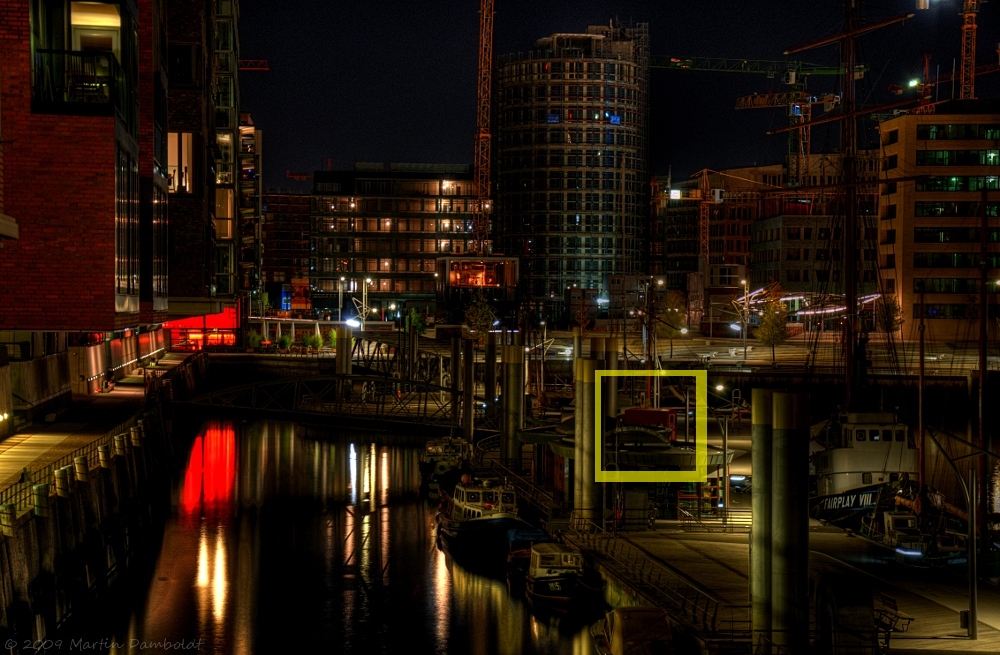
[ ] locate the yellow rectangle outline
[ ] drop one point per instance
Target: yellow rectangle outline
(700, 474)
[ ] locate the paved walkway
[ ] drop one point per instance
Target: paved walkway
(89, 418)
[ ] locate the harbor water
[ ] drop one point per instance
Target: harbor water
(277, 543)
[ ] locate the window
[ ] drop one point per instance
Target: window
(127, 226)
(859, 435)
(185, 64)
(873, 435)
(891, 162)
(180, 162)
(891, 137)
(886, 434)
(866, 478)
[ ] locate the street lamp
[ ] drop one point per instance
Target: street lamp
(340, 298)
(746, 316)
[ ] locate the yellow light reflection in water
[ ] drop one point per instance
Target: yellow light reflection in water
(220, 581)
(442, 602)
(203, 558)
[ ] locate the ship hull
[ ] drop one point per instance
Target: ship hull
(846, 509)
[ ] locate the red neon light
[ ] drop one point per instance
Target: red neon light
(224, 320)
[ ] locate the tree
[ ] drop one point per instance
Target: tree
(888, 317)
(669, 316)
(479, 317)
(773, 327)
(416, 321)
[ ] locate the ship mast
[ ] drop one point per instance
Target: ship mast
(848, 147)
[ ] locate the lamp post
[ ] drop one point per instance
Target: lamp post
(541, 382)
(746, 316)
(340, 299)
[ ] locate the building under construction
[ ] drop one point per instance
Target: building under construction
(571, 154)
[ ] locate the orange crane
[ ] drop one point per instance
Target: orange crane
(481, 158)
(967, 79)
(254, 65)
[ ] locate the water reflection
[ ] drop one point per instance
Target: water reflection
(281, 542)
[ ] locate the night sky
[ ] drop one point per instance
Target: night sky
(395, 81)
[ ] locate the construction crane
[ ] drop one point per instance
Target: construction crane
(967, 80)
(790, 70)
(254, 65)
(799, 104)
(481, 158)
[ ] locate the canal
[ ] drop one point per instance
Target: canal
(279, 542)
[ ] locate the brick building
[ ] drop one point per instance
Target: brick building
(386, 227)
(81, 155)
(285, 230)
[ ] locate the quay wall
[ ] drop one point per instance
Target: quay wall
(71, 532)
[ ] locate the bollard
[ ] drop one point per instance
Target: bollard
(135, 434)
(40, 492)
(120, 445)
(8, 515)
(82, 468)
(104, 455)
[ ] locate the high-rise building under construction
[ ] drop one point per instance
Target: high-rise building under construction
(571, 153)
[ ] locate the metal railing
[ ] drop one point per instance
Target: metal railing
(543, 502)
(724, 519)
(83, 78)
(662, 585)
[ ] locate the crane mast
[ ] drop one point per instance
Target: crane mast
(481, 160)
(967, 90)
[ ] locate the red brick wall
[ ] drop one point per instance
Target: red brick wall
(60, 184)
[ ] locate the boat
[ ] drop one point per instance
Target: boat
(443, 462)
(519, 555)
(865, 461)
(476, 518)
(634, 631)
(556, 578)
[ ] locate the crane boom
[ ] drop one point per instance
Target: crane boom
(967, 84)
(481, 160)
(724, 65)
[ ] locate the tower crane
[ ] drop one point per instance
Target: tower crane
(799, 105)
(481, 157)
(254, 65)
(967, 80)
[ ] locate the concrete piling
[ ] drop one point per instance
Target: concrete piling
(345, 339)
(62, 482)
(456, 379)
(135, 436)
(760, 535)
(610, 391)
(512, 401)
(577, 342)
(790, 522)
(490, 368)
(468, 391)
(586, 502)
(119, 440)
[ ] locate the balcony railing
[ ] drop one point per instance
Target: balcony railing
(93, 83)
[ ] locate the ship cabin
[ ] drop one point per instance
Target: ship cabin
(858, 455)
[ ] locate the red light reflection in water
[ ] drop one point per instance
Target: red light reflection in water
(208, 487)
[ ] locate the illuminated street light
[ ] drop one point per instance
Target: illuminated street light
(734, 326)
(353, 323)
(684, 330)
(719, 387)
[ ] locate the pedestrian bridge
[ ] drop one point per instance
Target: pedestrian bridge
(374, 397)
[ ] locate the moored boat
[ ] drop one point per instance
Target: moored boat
(867, 459)
(443, 462)
(476, 517)
(555, 577)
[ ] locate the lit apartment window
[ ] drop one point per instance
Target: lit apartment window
(180, 162)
